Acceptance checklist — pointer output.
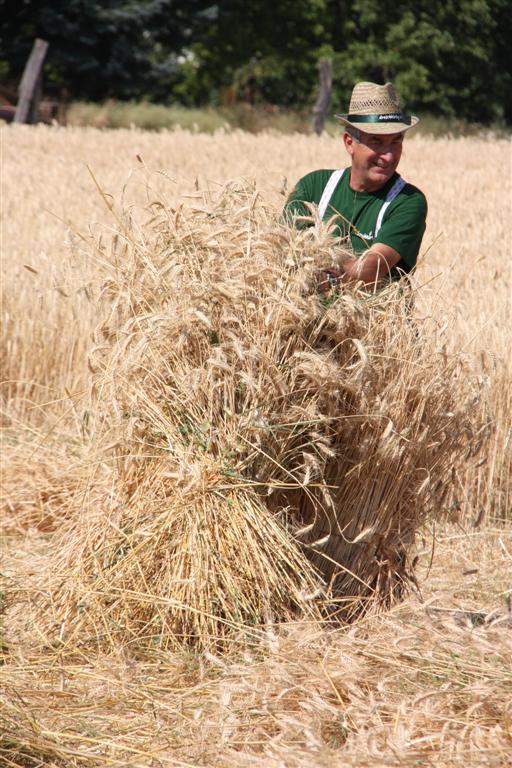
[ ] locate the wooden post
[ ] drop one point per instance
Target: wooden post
(33, 114)
(324, 95)
(29, 93)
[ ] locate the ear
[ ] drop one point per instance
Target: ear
(349, 143)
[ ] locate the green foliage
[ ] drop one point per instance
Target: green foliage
(157, 117)
(144, 115)
(267, 52)
(443, 55)
(447, 57)
(98, 49)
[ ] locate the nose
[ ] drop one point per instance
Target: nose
(386, 155)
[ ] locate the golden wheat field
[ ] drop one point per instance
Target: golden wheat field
(177, 406)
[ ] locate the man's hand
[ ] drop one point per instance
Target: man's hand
(373, 266)
(369, 269)
(327, 279)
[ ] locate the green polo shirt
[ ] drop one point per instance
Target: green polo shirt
(356, 213)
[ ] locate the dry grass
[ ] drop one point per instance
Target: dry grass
(427, 683)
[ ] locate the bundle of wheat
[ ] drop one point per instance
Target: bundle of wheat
(271, 445)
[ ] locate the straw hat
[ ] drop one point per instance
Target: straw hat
(376, 109)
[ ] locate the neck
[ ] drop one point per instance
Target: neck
(359, 184)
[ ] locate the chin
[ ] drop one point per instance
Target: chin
(379, 174)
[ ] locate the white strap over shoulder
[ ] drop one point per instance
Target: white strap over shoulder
(332, 183)
(329, 188)
(393, 192)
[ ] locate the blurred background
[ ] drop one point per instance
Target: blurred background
(254, 65)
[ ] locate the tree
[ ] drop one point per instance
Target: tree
(447, 57)
(118, 48)
(267, 51)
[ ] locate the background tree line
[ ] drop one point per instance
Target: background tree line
(446, 57)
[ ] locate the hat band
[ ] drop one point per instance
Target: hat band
(386, 118)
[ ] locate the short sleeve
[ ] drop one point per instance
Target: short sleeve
(295, 205)
(404, 225)
(307, 190)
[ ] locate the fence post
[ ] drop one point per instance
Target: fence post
(30, 87)
(324, 95)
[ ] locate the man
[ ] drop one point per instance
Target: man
(379, 215)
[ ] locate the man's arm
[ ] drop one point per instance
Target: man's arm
(372, 267)
(398, 242)
(295, 210)
(369, 269)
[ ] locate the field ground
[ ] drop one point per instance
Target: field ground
(429, 682)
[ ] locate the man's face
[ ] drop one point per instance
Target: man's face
(374, 158)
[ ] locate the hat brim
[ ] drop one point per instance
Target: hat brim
(380, 128)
